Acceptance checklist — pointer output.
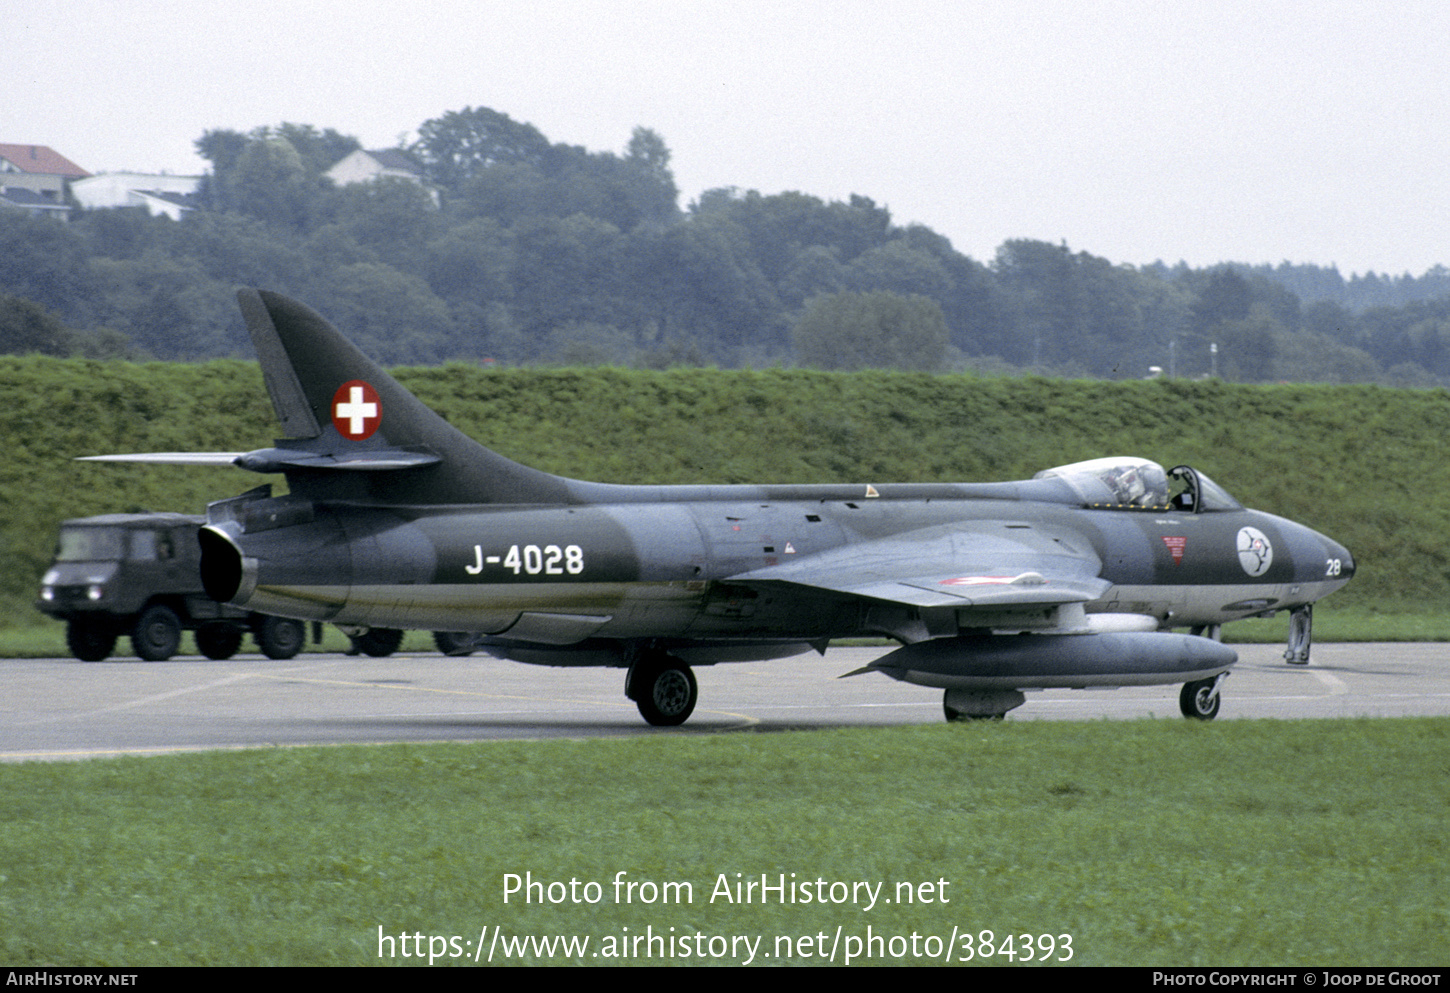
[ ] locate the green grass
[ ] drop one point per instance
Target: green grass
(1335, 623)
(1149, 842)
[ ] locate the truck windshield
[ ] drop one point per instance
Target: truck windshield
(90, 545)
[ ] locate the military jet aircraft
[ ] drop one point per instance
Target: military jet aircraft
(1074, 578)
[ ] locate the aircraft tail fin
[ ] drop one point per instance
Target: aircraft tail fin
(354, 432)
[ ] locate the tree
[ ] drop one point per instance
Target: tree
(471, 264)
(710, 288)
(898, 267)
(391, 315)
(319, 150)
(168, 306)
(1038, 277)
(271, 182)
(565, 270)
(1227, 297)
(646, 150)
(393, 217)
(1247, 349)
(814, 271)
(459, 144)
(275, 174)
(48, 263)
(653, 194)
(27, 328)
(222, 148)
(240, 250)
(871, 330)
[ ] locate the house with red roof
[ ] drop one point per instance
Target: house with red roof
(34, 178)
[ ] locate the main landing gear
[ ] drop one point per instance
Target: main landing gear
(663, 687)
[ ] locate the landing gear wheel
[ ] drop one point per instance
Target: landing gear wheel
(89, 642)
(955, 716)
(961, 706)
(280, 638)
(1199, 700)
(218, 641)
(157, 634)
(665, 693)
(379, 642)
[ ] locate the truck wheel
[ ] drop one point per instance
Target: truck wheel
(456, 643)
(280, 637)
(89, 642)
(218, 641)
(157, 635)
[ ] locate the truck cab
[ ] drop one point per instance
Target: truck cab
(138, 575)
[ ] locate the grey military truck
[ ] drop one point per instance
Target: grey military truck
(138, 575)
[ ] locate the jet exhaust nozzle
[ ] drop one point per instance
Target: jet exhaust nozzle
(223, 569)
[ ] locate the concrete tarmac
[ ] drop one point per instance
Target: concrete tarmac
(52, 709)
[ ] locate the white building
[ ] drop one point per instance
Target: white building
(164, 195)
(384, 163)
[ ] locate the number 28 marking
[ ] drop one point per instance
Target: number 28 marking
(532, 560)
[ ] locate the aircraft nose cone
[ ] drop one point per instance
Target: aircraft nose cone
(1338, 562)
(1324, 559)
(1317, 558)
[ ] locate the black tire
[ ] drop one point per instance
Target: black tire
(280, 638)
(379, 642)
(666, 693)
(456, 643)
(1198, 701)
(955, 716)
(157, 634)
(218, 641)
(89, 642)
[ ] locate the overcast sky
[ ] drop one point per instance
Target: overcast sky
(1243, 130)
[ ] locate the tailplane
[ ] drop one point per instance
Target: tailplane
(353, 432)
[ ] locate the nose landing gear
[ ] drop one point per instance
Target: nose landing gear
(1301, 634)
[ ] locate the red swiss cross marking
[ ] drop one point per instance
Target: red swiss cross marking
(356, 410)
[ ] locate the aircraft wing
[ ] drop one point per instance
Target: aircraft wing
(996, 566)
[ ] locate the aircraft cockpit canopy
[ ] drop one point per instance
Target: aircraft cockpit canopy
(1132, 483)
